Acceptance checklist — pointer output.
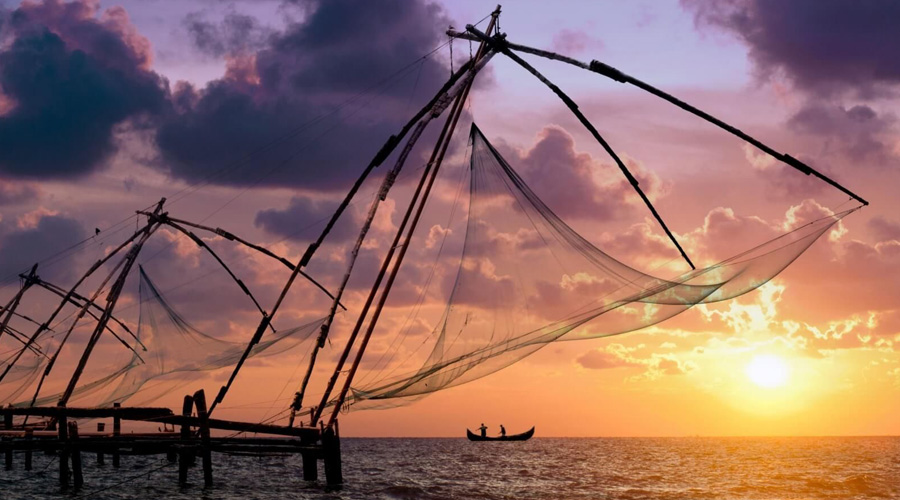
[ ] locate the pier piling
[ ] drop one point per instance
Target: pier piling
(184, 458)
(117, 431)
(8, 425)
(205, 452)
(331, 450)
(101, 460)
(63, 429)
(77, 475)
(29, 434)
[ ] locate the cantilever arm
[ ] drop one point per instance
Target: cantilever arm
(500, 43)
(263, 250)
(202, 244)
(74, 298)
(614, 74)
(74, 295)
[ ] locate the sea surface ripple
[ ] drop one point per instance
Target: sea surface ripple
(543, 468)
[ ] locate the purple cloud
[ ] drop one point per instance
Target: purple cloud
(70, 77)
(822, 46)
(293, 86)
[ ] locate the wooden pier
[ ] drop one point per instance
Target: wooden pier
(193, 440)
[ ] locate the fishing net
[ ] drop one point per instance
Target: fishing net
(170, 354)
(176, 349)
(527, 279)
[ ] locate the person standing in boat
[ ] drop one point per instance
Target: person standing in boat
(502, 430)
(483, 430)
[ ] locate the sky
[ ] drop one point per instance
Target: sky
(258, 116)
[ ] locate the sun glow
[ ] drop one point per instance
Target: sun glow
(767, 371)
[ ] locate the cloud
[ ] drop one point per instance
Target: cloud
(858, 132)
(69, 75)
(16, 192)
(598, 359)
(570, 41)
(36, 239)
(822, 46)
(302, 214)
(884, 229)
(575, 184)
(295, 89)
(236, 34)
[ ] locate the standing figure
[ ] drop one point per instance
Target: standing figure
(502, 430)
(483, 430)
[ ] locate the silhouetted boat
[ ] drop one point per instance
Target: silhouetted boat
(525, 436)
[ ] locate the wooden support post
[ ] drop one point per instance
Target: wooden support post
(28, 435)
(184, 457)
(76, 455)
(117, 431)
(205, 452)
(310, 466)
(63, 429)
(101, 459)
(7, 445)
(331, 449)
(8, 425)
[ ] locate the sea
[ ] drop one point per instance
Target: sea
(542, 468)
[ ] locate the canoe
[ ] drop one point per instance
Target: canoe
(525, 436)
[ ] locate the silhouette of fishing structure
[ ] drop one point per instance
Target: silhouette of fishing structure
(525, 279)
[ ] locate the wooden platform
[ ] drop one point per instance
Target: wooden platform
(194, 439)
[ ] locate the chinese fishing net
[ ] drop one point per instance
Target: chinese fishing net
(527, 279)
(170, 354)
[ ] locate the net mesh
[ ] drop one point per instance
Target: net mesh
(527, 279)
(174, 353)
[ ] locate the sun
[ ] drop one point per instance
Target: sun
(767, 371)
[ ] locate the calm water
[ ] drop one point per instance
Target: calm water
(548, 468)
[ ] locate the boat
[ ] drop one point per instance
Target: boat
(525, 436)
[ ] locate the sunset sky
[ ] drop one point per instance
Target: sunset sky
(257, 116)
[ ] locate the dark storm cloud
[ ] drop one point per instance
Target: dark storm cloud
(823, 46)
(304, 73)
(21, 248)
(70, 78)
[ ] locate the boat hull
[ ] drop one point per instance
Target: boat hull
(525, 436)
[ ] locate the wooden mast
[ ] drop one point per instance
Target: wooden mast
(437, 157)
(11, 306)
(46, 324)
(111, 298)
(436, 105)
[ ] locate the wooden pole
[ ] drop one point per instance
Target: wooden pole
(117, 431)
(184, 459)
(331, 449)
(28, 436)
(8, 424)
(383, 153)
(436, 159)
(46, 325)
(10, 308)
(76, 455)
(310, 462)
(450, 97)
(206, 454)
(101, 460)
(63, 429)
(111, 299)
